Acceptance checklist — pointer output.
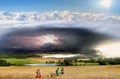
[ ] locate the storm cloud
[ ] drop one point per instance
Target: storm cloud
(57, 40)
(56, 31)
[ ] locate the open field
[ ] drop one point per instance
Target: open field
(46, 59)
(62, 59)
(85, 64)
(20, 61)
(71, 72)
(36, 60)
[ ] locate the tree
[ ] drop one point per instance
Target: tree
(67, 62)
(3, 63)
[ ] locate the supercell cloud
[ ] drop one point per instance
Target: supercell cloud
(56, 31)
(51, 40)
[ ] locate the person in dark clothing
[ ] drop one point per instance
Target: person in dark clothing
(62, 71)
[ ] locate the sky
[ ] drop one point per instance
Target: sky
(99, 16)
(59, 5)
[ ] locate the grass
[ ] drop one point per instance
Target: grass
(85, 64)
(20, 61)
(62, 59)
(71, 72)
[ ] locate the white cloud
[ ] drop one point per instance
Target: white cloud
(56, 15)
(60, 56)
(102, 23)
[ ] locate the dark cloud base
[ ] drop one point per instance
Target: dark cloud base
(72, 40)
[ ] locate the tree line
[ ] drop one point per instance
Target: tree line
(100, 61)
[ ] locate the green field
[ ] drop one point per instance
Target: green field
(22, 62)
(85, 64)
(19, 62)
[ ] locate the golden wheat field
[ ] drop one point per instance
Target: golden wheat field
(46, 59)
(71, 72)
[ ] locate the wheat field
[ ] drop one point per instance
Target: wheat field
(46, 59)
(71, 72)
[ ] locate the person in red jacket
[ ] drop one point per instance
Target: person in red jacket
(38, 74)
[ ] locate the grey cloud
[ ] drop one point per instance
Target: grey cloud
(72, 40)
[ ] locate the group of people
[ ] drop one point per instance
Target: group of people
(57, 71)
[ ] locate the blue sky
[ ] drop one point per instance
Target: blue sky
(59, 5)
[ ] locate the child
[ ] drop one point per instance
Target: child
(38, 74)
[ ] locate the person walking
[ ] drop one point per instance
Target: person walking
(38, 74)
(57, 72)
(62, 71)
